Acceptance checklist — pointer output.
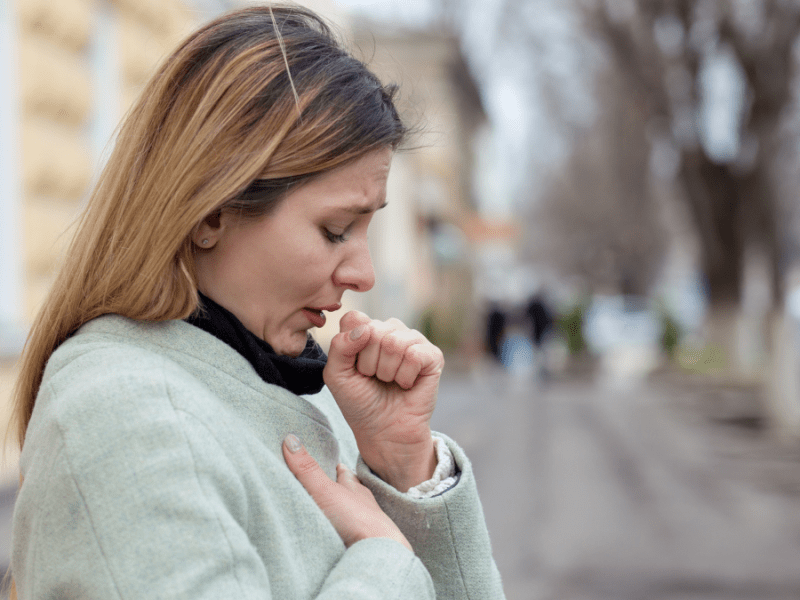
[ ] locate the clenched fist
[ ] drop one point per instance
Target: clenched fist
(384, 377)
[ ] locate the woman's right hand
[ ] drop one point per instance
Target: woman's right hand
(348, 504)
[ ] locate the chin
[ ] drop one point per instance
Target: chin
(291, 353)
(293, 347)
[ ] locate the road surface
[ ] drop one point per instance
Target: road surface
(638, 492)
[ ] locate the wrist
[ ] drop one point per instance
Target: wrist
(403, 466)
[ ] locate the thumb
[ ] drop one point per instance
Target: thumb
(352, 319)
(344, 349)
(304, 467)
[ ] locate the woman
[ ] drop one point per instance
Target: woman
(187, 438)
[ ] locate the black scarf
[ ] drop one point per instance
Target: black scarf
(301, 375)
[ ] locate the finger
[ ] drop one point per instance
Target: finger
(409, 368)
(305, 468)
(344, 350)
(368, 357)
(392, 349)
(350, 481)
(346, 477)
(352, 319)
(419, 359)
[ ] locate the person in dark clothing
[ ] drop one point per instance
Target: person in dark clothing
(495, 327)
(541, 319)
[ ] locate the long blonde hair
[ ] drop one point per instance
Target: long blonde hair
(258, 97)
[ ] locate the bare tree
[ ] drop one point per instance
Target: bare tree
(663, 49)
(660, 57)
(597, 221)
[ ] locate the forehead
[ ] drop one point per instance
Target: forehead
(358, 186)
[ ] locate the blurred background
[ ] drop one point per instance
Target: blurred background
(598, 222)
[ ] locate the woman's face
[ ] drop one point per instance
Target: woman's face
(278, 273)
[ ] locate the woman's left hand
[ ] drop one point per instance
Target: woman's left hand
(384, 377)
(349, 505)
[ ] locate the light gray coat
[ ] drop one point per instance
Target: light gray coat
(153, 469)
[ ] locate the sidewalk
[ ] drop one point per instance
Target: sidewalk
(654, 491)
(736, 422)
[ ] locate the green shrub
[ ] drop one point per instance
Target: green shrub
(570, 324)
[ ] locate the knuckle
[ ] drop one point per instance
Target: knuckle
(379, 327)
(391, 343)
(352, 318)
(349, 316)
(416, 352)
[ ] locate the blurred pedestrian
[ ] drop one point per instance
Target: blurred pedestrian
(541, 319)
(495, 329)
(182, 434)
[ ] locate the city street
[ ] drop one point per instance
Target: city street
(650, 491)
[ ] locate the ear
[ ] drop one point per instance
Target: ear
(208, 231)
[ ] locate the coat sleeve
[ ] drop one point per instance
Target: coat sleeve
(448, 532)
(122, 499)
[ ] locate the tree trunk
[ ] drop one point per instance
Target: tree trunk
(735, 217)
(783, 377)
(713, 201)
(721, 333)
(712, 195)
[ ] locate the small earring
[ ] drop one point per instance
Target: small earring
(205, 242)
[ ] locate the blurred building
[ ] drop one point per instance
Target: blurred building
(419, 246)
(69, 70)
(80, 64)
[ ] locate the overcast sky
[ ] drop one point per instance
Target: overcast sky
(409, 11)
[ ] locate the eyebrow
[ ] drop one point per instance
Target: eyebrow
(364, 210)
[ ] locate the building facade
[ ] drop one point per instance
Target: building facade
(69, 69)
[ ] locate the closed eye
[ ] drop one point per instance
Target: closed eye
(336, 238)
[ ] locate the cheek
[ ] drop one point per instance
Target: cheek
(311, 275)
(305, 268)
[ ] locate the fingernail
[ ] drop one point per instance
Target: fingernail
(292, 443)
(357, 332)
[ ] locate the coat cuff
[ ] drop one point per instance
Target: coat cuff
(444, 477)
(448, 531)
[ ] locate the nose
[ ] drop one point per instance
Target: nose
(355, 272)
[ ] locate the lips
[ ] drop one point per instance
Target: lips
(316, 316)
